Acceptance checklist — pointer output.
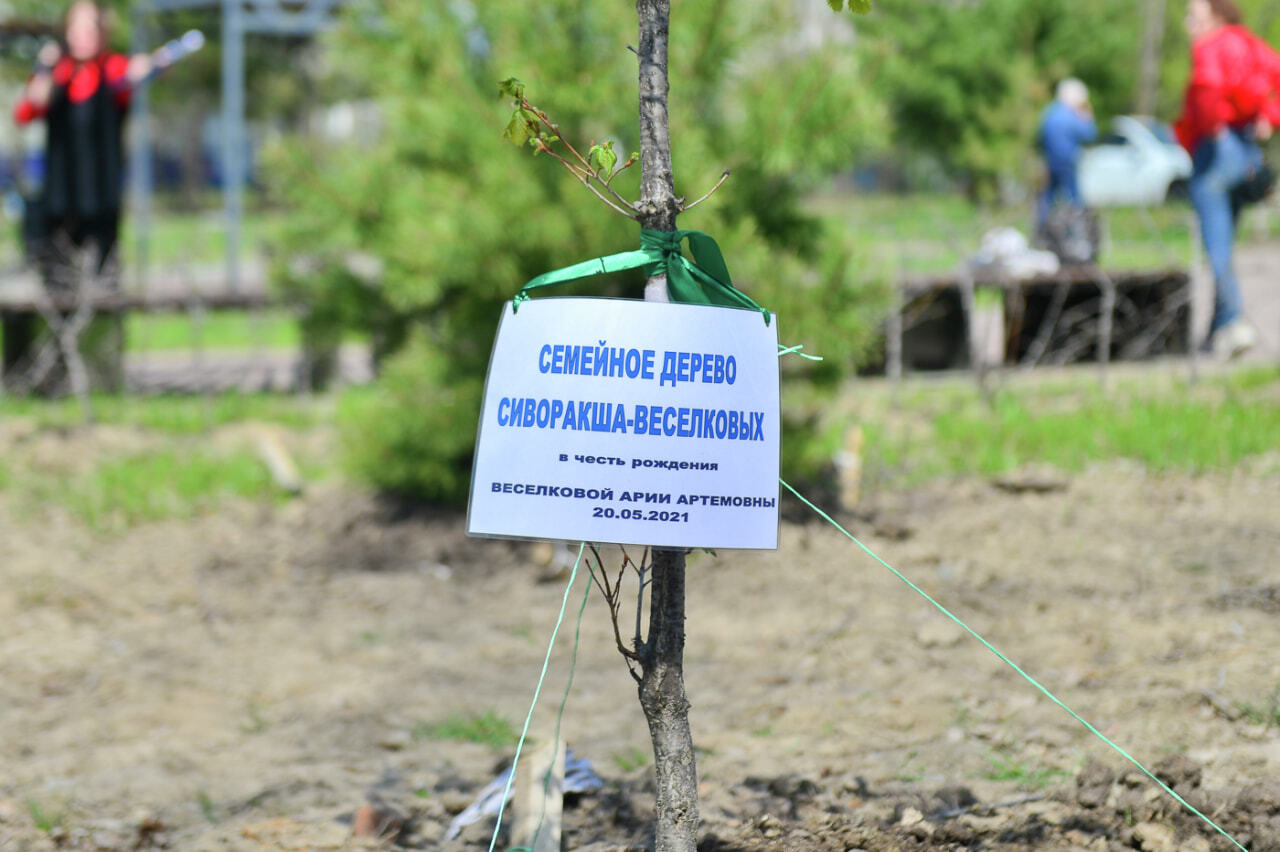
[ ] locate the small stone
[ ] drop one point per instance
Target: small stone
(939, 634)
(455, 802)
(1033, 480)
(105, 840)
(374, 821)
(986, 824)
(1153, 837)
(910, 817)
(541, 553)
(1076, 837)
(366, 822)
(395, 740)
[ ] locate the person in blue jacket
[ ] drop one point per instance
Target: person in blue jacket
(1067, 124)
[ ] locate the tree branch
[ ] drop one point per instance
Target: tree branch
(640, 587)
(586, 181)
(584, 172)
(723, 178)
(631, 161)
(612, 593)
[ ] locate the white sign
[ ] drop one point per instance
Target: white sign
(612, 420)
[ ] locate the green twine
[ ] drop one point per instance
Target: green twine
(702, 281)
(1015, 667)
(795, 350)
(546, 663)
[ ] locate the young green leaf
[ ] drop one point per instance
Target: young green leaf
(522, 126)
(515, 130)
(858, 7)
(603, 158)
(512, 88)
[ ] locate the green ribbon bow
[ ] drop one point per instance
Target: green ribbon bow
(701, 281)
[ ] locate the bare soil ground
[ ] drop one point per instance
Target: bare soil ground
(248, 680)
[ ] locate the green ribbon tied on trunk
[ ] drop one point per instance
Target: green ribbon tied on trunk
(701, 281)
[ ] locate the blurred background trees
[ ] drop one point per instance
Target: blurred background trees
(392, 208)
(967, 81)
(416, 224)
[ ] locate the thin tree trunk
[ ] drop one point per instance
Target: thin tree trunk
(658, 205)
(662, 695)
(666, 708)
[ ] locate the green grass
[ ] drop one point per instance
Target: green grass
(207, 807)
(1269, 716)
(1162, 434)
(632, 758)
(215, 330)
(118, 493)
(1253, 377)
(920, 430)
(909, 770)
(45, 820)
(174, 415)
(255, 719)
(949, 428)
(163, 467)
(1006, 768)
(179, 238)
(487, 728)
(1266, 712)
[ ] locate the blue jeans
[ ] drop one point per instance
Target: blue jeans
(1062, 183)
(1219, 164)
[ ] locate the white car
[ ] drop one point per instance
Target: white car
(1135, 164)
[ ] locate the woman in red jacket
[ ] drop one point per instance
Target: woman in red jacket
(1232, 102)
(82, 93)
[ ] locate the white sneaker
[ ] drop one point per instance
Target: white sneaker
(1233, 340)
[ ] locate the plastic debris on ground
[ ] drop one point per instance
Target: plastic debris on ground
(579, 777)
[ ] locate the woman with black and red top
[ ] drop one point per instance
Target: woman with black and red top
(83, 95)
(1232, 102)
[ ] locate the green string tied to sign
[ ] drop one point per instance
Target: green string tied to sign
(704, 280)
